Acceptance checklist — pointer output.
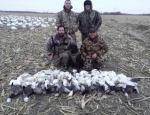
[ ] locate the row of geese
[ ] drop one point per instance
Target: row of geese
(26, 22)
(56, 81)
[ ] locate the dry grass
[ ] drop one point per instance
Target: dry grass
(129, 53)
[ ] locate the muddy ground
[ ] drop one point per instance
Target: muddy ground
(128, 39)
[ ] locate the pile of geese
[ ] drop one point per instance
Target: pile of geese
(58, 82)
(15, 22)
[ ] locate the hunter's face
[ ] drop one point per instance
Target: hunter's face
(87, 7)
(92, 34)
(61, 31)
(68, 4)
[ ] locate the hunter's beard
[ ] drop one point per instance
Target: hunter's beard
(61, 35)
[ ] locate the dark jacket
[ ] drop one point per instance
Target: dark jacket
(88, 18)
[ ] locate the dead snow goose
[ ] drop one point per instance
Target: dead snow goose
(27, 92)
(16, 90)
(13, 28)
(39, 89)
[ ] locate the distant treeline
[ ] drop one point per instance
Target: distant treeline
(119, 13)
(104, 13)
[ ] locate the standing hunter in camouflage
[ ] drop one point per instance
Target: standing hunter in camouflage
(57, 47)
(69, 19)
(88, 18)
(93, 48)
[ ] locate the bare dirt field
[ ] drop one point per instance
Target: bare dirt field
(128, 39)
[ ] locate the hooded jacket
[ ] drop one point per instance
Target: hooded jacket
(89, 18)
(69, 19)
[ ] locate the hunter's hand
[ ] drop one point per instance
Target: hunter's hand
(88, 57)
(94, 56)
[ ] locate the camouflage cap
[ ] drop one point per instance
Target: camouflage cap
(92, 29)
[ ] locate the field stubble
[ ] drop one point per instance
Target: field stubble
(129, 53)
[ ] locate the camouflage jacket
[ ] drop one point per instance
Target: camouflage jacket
(69, 20)
(86, 19)
(56, 45)
(89, 47)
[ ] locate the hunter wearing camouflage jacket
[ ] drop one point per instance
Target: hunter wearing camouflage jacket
(69, 19)
(57, 47)
(92, 46)
(88, 18)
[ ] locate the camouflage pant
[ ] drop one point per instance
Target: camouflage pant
(90, 64)
(60, 60)
(84, 36)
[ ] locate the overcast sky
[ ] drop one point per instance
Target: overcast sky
(125, 6)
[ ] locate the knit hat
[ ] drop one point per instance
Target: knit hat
(92, 29)
(87, 2)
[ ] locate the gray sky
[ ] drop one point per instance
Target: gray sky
(125, 6)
